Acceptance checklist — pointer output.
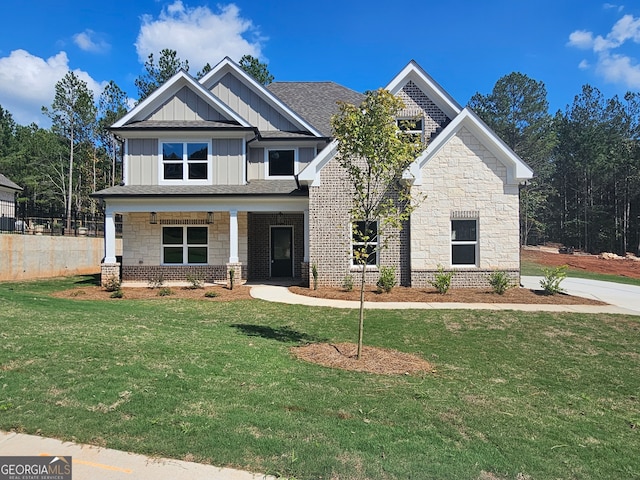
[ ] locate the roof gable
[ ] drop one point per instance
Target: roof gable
(6, 183)
(228, 66)
(517, 170)
(171, 89)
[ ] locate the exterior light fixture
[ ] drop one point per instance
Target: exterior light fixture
(280, 218)
(209, 218)
(153, 218)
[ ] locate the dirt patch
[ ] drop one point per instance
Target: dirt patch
(210, 294)
(515, 295)
(372, 360)
(607, 264)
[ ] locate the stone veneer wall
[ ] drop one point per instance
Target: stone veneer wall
(259, 246)
(464, 177)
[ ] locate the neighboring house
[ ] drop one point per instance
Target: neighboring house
(225, 173)
(8, 191)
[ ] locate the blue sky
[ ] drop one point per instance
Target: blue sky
(466, 46)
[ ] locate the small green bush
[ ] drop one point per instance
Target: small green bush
(195, 281)
(112, 284)
(387, 279)
(552, 279)
(211, 294)
(164, 292)
(156, 281)
(499, 281)
(314, 273)
(117, 293)
(347, 283)
(442, 280)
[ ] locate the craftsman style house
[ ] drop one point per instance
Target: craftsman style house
(224, 173)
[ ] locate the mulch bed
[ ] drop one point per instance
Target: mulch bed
(240, 292)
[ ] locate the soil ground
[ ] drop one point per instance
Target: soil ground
(382, 361)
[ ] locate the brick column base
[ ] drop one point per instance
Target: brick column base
(109, 271)
(239, 277)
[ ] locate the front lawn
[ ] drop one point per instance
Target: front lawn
(514, 395)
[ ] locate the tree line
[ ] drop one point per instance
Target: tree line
(585, 192)
(586, 160)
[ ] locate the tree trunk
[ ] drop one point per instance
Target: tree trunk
(70, 192)
(361, 317)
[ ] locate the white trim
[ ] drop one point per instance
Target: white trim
(475, 242)
(165, 91)
(233, 237)
(357, 266)
(185, 245)
(109, 235)
(305, 224)
(266, 162)
(125, 163)
(310, 175)
(185, 163)
(227, 65)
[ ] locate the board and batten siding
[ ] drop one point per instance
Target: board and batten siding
(227, 161)
(250, 106)
(186, 105)
(256, 160)
(142, 161)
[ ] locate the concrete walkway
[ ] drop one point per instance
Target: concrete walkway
(622, 299)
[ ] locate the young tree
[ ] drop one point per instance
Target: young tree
(256, 69)
(73, 115)
(374, 155)
(168, 65)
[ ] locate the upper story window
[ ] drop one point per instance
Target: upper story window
(412, 126)
(281, 162)
(185, 161)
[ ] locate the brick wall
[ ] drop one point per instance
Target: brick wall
(417, 104)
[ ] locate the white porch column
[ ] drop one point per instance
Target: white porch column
(109, 236)
(233, 236)
(306, 235)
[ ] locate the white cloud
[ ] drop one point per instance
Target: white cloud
(90, 41)
(199, 35)
(28, 82)
(583, 65)
(611, 6)
(614, 67)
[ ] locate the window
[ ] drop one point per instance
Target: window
(184, 245)
(185, 161)
(364, 244)
(464, 242)
(281, 163)
(412, 126)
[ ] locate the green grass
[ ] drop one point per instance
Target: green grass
(535, 269)
(515, 395)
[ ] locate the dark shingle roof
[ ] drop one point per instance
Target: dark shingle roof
(255, 187)
(316, 102)
(5, 182)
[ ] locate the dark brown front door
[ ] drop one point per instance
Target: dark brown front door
(281, 252)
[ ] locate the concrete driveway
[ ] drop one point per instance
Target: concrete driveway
(618, 294)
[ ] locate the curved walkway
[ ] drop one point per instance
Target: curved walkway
(622, 299)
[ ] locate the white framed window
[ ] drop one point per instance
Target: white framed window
(185, 245)
(412, 126)
(464, 242)
(182, 161)
(364, 244)
(281, 162)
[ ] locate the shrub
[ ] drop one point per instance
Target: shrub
(314, 273)
(387, 279)
(164, 292)
(499, 281)
(117, 293)
(442, 280)
(232, 278)
(347, 283)
(112, 284)
(195, 281)
(156, 282)
(552, 279)
(211, 294)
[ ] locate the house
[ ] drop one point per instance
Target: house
(224, 173)
(8, 191)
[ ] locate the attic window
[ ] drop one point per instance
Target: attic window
(412, 126)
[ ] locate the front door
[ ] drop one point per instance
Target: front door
(281, 249)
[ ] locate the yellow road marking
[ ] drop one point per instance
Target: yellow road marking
(96, 465)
